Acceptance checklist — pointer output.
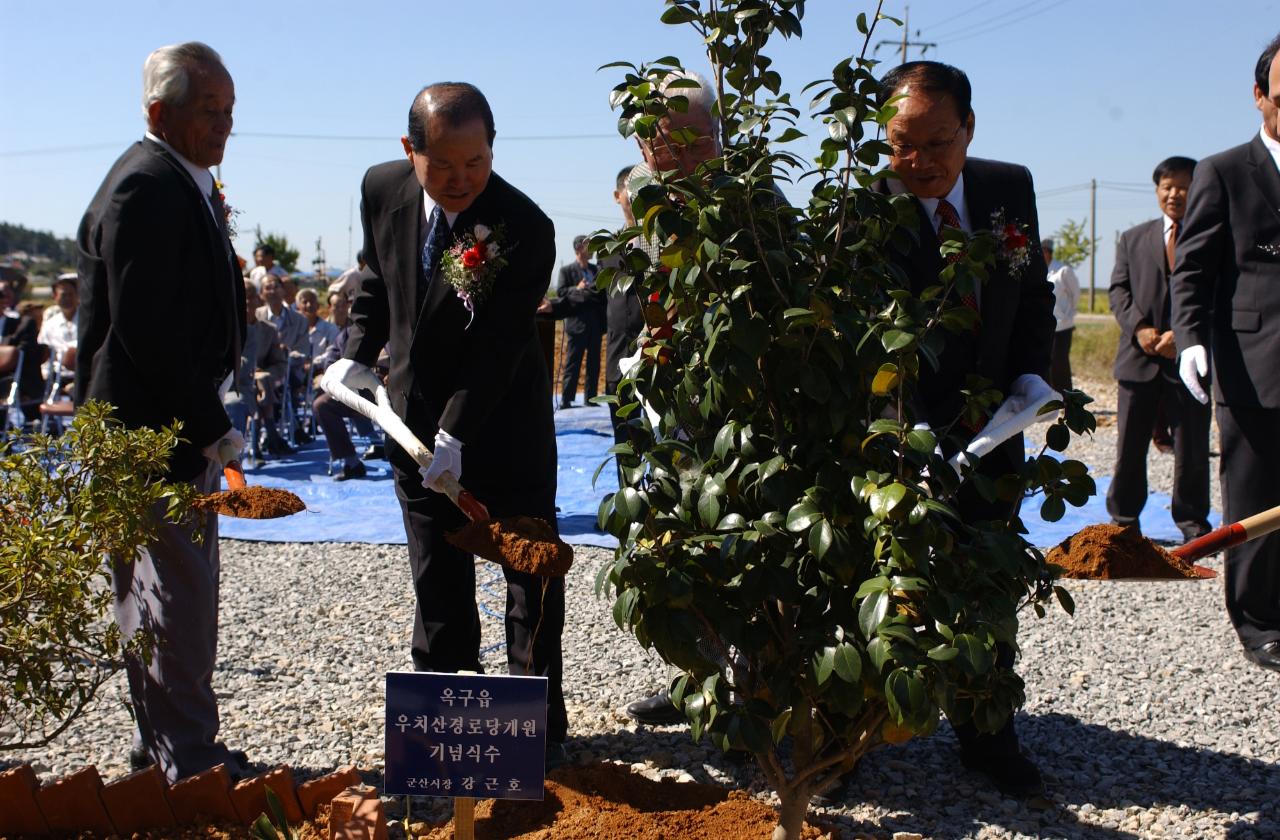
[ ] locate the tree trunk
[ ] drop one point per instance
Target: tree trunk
(795, 807)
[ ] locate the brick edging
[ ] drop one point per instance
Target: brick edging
(143, 801)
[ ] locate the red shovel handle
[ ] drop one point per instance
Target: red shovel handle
(1218, 539)
(234, 475)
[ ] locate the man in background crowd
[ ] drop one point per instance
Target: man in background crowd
(584, 323)
(1066, 297)
(261, 369)
(1226, 305)
(264, 263)
(1145, 371)
(348, 282)
(61, 323)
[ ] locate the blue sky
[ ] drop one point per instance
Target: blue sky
(1074, 89)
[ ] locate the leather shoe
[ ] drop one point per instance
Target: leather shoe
(1266, 654)
(1013, 774)
(139, 759)
(1194, 530)
(556, 756)
(374, 450)
(656, 710)
(351, 469)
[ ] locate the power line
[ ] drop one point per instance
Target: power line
(967, 11)
(1011, 22)
(1002, 15)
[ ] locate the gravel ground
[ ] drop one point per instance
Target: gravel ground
(1142, 714)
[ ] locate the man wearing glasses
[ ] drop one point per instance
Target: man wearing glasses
(1012, 343)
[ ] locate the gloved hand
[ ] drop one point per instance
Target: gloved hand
(1192, 365)
(446, 457)
(1027, 390)
(226, 448)
(352, 374)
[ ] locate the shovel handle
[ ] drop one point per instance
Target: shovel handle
(234, 475)
(1227, 536)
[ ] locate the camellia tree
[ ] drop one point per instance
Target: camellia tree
(788, 532)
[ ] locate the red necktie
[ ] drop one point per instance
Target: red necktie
(948, 216)
(1169, 244)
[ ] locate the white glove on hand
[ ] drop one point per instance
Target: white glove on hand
(1192, 365)
(352, 374)
(446, 457)
(226, 448)
(1027, 390)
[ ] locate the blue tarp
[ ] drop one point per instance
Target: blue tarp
(366, 510)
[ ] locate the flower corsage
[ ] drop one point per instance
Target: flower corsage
(1013, 242)
(472, 265)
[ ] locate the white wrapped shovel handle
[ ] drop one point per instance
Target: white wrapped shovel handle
(385, 416)
(1020, 410)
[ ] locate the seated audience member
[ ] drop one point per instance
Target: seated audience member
(348, 282)
(330, 414)
(289, 288)
(262, 364)
(292, 329)
(58, 332)
(321, 333)
(264, 263)
(19, 332)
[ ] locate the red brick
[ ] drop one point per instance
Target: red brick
(202, 797)
(20, 814)
(250, 796)
(138, 802)
(73, 803)
(320, 791)
(357, 805)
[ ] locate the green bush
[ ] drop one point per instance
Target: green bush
(68, 504)
(787, 538)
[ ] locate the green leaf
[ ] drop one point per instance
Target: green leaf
(922, 440)
(872, 612)
(886, 499)
(943, 653)
(820, 536)
(894, 340)
(906, 696)
(885, 381)
(1053, 509)
(801, 516)
(675, 15)
(847, 662)
(708, 509)
(1058, 437)
(973, 652)
(824, 664)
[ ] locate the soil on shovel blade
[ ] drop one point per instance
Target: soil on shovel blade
(1111, 552)
(524, 543)
(252, 503)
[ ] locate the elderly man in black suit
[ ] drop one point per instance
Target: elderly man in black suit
(466, 370)
(161, 324)
(929, 138)
(1226, 306)
(1145, 369)
(584, 324)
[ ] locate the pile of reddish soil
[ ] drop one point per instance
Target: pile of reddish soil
(1110, 552)
(608, 802)
(524, 543)
(316, 829)
(252, 503)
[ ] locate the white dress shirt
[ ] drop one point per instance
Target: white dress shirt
(202, 177)
(930, 205)
(1272, 145)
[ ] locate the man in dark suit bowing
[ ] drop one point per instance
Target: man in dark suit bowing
(161, 324)
(1145, 369)
(929, 138)
(1226, 306)
(467, 371)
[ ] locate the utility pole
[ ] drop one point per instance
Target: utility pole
(906, 42)
(1093, 239)
(318, 262)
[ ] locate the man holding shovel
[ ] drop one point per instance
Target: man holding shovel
(161, 325)
(458, 260)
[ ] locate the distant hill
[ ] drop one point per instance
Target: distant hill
(36, 243)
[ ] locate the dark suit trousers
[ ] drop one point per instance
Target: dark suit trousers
(1060, 374)
(585, 343)
(446, 627)
(1138, 405)
(171, 592)
(1250, 441)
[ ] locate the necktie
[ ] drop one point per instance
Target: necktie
(432, 248)
(948, 216)
(1169, 244)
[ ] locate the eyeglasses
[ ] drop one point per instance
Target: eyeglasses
(905, 151)
(667, 148)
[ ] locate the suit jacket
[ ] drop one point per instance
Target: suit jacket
(293, 330)
(1016, 331)
(162, 303)
(1140, 296)
(1226, 284)
(625, 321)
(486, 384)
(583, 309)
(22, 333)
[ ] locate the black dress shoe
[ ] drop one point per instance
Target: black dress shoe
(350, 470)
(656, 710)
(1013, 774)
(1194, 531)
(1266, 654)
(375, 450)
(139, 759)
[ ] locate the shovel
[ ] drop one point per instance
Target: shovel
(244, 502)
(1249, 528)
(522, 543)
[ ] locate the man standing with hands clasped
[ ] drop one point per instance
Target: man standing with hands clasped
(162, 319)
(1226, 308)
(467, 371)
(1145, 370)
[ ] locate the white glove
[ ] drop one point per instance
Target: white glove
(226, 448)
(447, 457)
(352, 374)
(1019, 410)
(1193, 364)
(1027, 390)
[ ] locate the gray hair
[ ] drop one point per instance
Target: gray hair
(166, 74)
(702, 98)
